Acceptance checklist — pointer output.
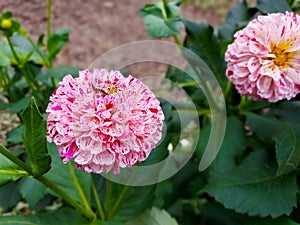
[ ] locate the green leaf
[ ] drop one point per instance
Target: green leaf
(27, 185)
(34, 138)
(71, 180)
(9, 195)
(64, 216)
(273, 6)
(289, 111)
(8, 170)
(264, 128)
(278, 221)
(56, 42)
(57, 73)
(4, 60)
(255, 188)
(154, 216)
(15, 136)
(162, 20)
(225, 216)
(287, 151)
(234, 144)
(201, 40)
(237, 14)
(135, 202)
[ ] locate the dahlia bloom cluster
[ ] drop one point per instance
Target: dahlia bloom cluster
(264, 59)
(103, 120)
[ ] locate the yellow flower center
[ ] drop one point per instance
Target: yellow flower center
(112, 90)
(282, 56)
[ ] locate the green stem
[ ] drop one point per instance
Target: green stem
(15, 160)
(90, 215)
(79, 188)
(121, 197)
(38, 52)
(107, 195)
(13, 50)
(118, 202)
(87, 213)
(98, 203)
(177, 41)
(49, 4)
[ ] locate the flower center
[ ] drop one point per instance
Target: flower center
(282, 56)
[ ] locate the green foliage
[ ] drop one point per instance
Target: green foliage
(271, 194)
(34, 138)
(56, 42)
(57, 217)
(153, 216)
(200, 39)
(71, 180)
(273, 6)
(162, 20)
(9, 171)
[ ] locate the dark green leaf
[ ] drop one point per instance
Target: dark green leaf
(289, 111)
(234, 144)
(135, 202)
(64, 216)
(201, 40)
(236, 15)
(26, 187)
(56, 42)
(254, 188)
(287, 151)
(71, 180)
(7, 15)
(278, 221)
(225, 216)
(9, 195)
(34, 138)
(8, 170)
(264, 128)
(273, 6)
(161, 20)
(15, 136)
(153, 216)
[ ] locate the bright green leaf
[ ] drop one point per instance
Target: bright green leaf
(254, 188)
(4, 60)
(71, 180)
(273, 6)
(34, 138)
(154, 216)
(56, 42)
(287, 150)
(8, 170)
(161, 20)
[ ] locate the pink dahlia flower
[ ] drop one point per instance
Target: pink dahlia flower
(103, 120)
(264, 59)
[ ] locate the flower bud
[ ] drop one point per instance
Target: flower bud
(6, 24)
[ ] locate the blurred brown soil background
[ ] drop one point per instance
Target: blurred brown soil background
(97, 26)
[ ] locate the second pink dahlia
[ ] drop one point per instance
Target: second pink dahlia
(104, 120)
(264, 59)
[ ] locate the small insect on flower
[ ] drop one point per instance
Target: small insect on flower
(103, 120)
(264, 59)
